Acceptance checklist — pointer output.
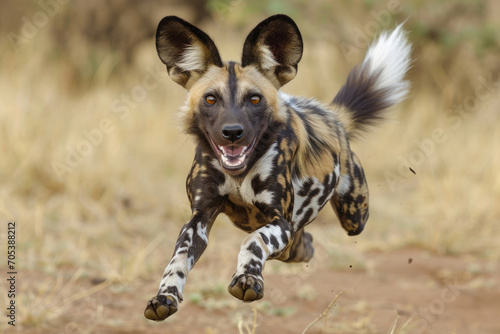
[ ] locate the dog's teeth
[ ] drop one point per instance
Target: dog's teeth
(221, 148)
(238, 162)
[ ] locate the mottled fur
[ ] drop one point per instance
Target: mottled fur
(267, 160)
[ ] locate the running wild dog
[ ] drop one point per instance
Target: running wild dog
(267, 160)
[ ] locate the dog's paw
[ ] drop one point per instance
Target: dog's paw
(247, 288)
(160, 308)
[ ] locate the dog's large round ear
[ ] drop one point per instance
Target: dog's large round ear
(275, 47)
(186, 50)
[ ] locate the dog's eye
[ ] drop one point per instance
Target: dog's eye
(255, 99)
(210, 99)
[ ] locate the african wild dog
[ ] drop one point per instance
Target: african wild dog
(268, 160)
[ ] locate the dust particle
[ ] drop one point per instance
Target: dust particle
(410, 260)
(412, 170)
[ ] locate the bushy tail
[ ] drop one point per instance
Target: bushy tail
(377, 84)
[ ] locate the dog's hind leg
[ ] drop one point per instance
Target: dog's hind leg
(302, 249)
(350, 200)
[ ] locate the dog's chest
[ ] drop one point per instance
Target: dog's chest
(240, 204)
(310, 196)
(255, 188)
(244, 215)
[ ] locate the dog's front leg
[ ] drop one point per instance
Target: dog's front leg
(270, 241)
(191, 243)
(206, 204)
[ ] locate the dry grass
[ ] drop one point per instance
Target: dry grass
(324, 314)
(115, 217)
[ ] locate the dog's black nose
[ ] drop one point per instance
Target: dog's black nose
(233, 132)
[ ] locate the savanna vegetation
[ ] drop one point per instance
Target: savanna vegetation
(93, 167)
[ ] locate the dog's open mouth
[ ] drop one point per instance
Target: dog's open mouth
(233, 157)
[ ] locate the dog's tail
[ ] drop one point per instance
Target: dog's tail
(377, 84)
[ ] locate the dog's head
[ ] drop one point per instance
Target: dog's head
(230, 106)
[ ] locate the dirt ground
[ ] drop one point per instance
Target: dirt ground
(95, 237)
(410, 290)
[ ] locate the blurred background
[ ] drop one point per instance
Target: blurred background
(93, 167)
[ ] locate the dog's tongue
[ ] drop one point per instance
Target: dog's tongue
(232, 150)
